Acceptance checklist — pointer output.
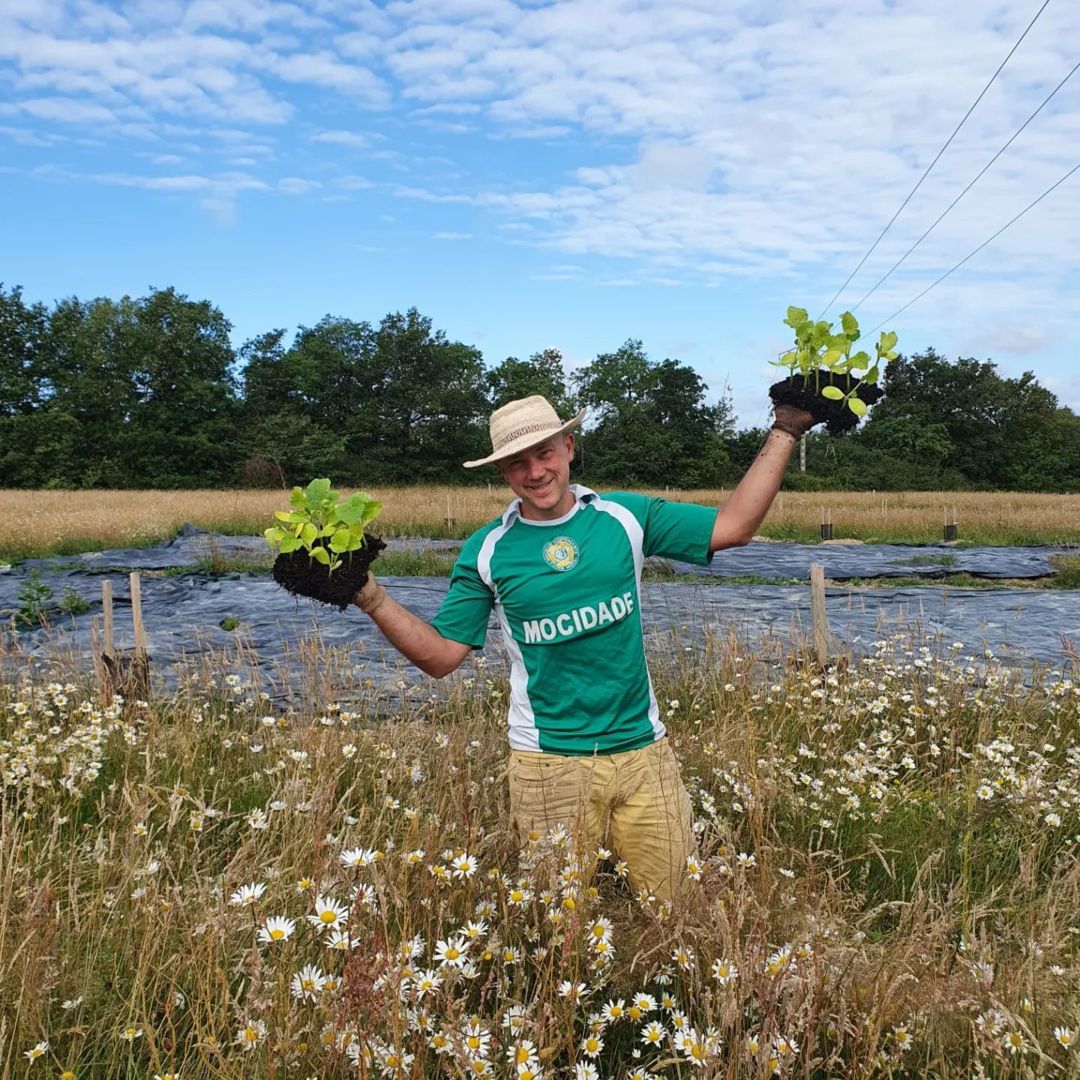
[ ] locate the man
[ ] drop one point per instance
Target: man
(561, 569)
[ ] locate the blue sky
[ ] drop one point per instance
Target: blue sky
(552, 174)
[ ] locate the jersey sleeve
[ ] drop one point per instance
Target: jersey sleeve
(683, 531)
(465, 610)
(672, 530)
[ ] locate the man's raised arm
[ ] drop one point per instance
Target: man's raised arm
(738, 519)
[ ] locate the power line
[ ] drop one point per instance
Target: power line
(935, 161)
(903, 257)
(970, 255)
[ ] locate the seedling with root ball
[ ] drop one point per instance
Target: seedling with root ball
(324, 529)
(822, 366)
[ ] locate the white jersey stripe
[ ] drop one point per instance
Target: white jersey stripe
(635, 534)
(524, 734)
(633, 529)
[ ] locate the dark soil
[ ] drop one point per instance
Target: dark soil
(805, 393)
(301, 575)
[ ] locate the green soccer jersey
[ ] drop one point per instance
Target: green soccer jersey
(566, 594)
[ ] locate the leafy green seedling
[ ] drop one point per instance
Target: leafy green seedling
(323, 525)
(818, 349)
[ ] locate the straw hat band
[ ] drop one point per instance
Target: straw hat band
(519, 425)
(518, 433)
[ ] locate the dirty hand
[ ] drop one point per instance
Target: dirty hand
(796, 422)
(370, 596)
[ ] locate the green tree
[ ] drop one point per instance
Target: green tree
(22, 329)
(650, 423)
(964, 420)
(178, 358)
(541, 374)
(81, 430)
(394, 404)
(431, 402)
(128, 393)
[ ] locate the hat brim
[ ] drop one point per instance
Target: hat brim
(516, 446)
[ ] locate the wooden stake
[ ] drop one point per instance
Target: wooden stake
(108, 647)
(817, 613)
(136, 614)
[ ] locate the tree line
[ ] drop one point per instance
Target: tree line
(150, 392)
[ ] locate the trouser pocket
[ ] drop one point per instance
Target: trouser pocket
(549, 790)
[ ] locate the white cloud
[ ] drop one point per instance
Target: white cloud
(295, 185)
(353, 183)
(324, 69)
(404, 191)
(27, 138)
(774, 143)
(343, 138)
(68, 110)
(690, 141)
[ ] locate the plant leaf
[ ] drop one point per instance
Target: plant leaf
(850, 325)
(340, 540)
(316, 491)
(320, 554)
(833, 393)
(857, 406)
(308, 534)
(795, 317)
(371, 511)
(290, 543)
(350, 512)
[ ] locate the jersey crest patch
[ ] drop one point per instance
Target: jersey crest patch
(561, 553)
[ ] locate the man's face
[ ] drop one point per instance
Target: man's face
(540, 477)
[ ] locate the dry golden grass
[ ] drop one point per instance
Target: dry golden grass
(67, 522)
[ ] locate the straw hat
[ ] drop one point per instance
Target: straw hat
(517, 425)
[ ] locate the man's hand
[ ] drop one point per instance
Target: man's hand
(796, 422)
(370, 596)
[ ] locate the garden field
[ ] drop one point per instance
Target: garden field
(214, 882)
(68, 522)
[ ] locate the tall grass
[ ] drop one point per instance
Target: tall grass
(68, 522)
(888, 859)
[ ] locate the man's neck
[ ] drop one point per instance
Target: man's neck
(565, 505)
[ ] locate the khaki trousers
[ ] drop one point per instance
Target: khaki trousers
(633, 802)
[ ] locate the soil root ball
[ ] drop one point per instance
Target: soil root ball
(298, 573)
(804, 392)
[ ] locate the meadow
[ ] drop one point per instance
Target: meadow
(205, 884)
(887, 882)
(69, 522)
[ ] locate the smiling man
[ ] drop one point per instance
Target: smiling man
(561, 570)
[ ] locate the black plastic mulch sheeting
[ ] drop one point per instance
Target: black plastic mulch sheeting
(843, 561)
(182, 616)
(758, 559)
